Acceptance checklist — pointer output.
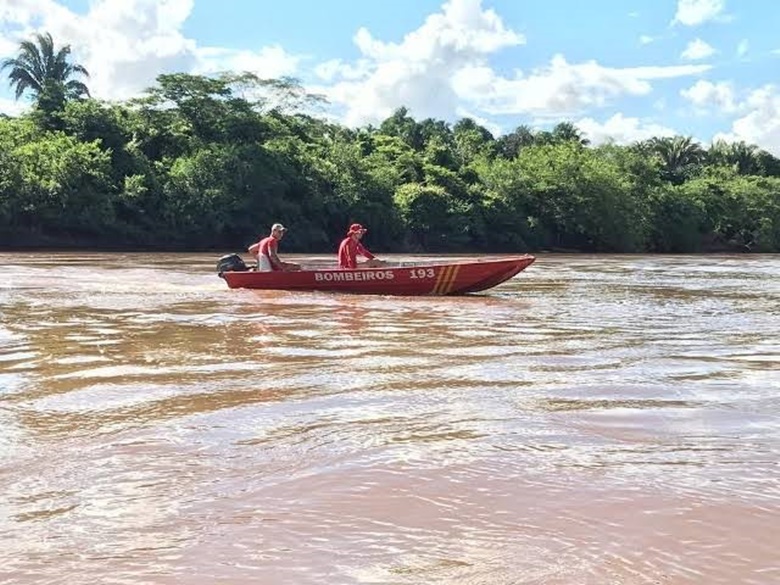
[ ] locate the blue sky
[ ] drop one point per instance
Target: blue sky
(620, 69)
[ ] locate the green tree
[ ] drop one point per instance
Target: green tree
(436, 130)
(769, 164)
(46, 72)
(568, 132)
(401, 125)
(680, 157)
(677, 221)
(507, 206)
(510, 145)
(582, 198)
(359, 189)
(54, 187)
(472, 140)
(431, 217)
(202, 108)
(739, 212)
(740, 156)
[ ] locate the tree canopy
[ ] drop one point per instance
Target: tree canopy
(203, 162)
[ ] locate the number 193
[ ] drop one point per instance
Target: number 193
(422, 273)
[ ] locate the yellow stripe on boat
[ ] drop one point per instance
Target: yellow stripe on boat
(440, 280)
(451, 280)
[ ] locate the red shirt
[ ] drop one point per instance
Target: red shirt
(349, 250)
(268, 244)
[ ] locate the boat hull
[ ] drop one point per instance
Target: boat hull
(451, 278)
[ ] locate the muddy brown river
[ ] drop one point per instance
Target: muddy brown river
(604, 420)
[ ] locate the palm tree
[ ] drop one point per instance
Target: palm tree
(568, 132)
(679, 156)
(742, 157)
(45, 73)
(509, 145)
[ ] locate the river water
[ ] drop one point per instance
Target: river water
(596, 420)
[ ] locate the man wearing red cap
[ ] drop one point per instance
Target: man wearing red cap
(350, 248)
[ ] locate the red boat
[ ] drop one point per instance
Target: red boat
(448, 278)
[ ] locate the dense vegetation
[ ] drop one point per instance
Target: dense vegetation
(205, 163)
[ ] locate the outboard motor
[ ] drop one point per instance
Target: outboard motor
(230, 263)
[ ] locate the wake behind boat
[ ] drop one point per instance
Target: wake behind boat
(445, 278)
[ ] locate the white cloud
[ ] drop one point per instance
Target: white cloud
(336, 68)
(441, 69)
(7, 46)
(742, 48)
(267, 63)
(697, 49)
(561, 89)
(12, 107)
(758, 113)
(621, 129)
(443, 65)
(761, 123)
(695, 12)
(418, 71)
(646, 39)
(125, 44)
(706, 94)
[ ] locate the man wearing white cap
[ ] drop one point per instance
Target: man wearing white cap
(266, 252)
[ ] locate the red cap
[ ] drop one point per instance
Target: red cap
(356, 227)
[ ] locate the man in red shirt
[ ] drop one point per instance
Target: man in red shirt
(266, 252)
(350, 248)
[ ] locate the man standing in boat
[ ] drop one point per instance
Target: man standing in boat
(266, 252)
(351, 247)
